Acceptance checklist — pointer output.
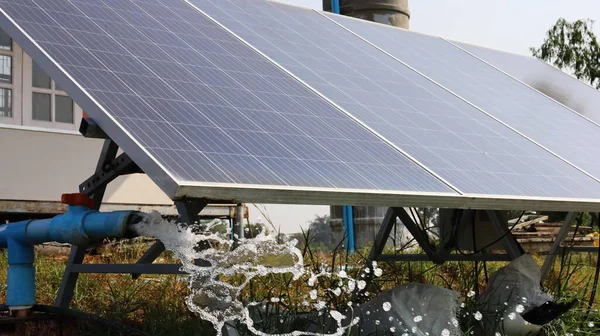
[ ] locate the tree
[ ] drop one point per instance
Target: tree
(572, 47)
(320, 231)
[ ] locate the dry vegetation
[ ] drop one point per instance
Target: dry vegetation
(155, 304)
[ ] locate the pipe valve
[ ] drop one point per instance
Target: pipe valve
(77, 199)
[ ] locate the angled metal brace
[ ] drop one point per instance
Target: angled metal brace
(419, 235)
(188, 213)
(562, 234)
(509, 242)
(69, 280)
(109, 171)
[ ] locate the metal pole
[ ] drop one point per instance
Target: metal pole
(335, 6)
(238, 226)
(562, 234)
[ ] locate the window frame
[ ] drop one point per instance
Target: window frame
(29, 90)
(16, 53)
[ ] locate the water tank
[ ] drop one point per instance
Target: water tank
(391, 12)
(367, 220)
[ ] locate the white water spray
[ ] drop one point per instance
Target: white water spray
(227, 266)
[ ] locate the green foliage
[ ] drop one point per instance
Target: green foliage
(572, 46)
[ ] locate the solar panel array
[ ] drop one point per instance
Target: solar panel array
(466, 147)
(524, 109)
(254, 98)
(545, 78)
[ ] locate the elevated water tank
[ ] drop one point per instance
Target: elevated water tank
(367, 220)
(391, 12)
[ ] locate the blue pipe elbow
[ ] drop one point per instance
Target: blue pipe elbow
(21, 275)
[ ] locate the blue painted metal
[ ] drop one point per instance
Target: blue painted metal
(20, 292)
(347, 217)
(335, 6)
(348, 220)
(78, 226)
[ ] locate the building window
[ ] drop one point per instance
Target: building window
(48, 106)
(49, 102)
(28, 96)
(7, 83)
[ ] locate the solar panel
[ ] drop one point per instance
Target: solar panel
(545, 78)
(464, 146)
(194, 106)
(525, 110)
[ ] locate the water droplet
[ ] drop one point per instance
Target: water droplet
(478, 316)
(343, 274)
(512, 316)
(351, 285)
(391, 318)
(393, 329)
(313, 294)
(337, 291)
(368, 312)
(471, 294)
(378, 272)
(591, 324)
(445, 332)
(377, 322)
(387, 306)
(418, 318)
(362, 284)
(497, 334)
(337, 315)
(520, 309)
(274, 299)
(454, 322)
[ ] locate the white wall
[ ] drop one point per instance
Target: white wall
(37, 165)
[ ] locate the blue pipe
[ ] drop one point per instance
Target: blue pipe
(78, 226)
(335, 6)
(348, 219)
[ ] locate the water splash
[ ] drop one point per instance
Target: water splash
(212, 259)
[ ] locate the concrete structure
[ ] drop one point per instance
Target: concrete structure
(392, 12)
(367, 220)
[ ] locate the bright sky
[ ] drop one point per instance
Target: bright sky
(511, 25)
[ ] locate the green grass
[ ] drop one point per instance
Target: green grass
(155, 303)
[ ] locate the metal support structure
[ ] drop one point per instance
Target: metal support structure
(509, 242)
(69, 280)
(238, 223)
(109, 168)
(419, 235)
(562, 234)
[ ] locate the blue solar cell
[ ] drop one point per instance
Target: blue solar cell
(205, 105)
(547, 79)
(460, 143)
(548, 123)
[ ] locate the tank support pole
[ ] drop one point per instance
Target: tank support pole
(69, 280)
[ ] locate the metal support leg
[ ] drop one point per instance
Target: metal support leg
(382, 235)
(510, 244)
(562, 234)
(151, 254)
(389, 220)
(419, 236)
(69, 280)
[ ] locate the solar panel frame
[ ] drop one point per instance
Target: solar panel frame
(158, 172)
(276, 194)
(338, 20)
(223, 15)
